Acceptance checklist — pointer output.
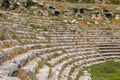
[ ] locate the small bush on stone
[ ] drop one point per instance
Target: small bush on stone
(29, 76)
(5, 4)
(79, 74)
(69, 78)
(2, 34)
(50, 72)
(29, 3)
(41, 63)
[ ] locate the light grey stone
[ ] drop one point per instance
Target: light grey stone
(73, 21)
(86, 76)
(31, 66)
(43, 73)
(8, 69)
(65, 21)
(9, 78)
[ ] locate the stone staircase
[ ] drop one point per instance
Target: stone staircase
(54, 52)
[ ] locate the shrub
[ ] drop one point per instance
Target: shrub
(3, 33)
(5, 4)
(29, 3)
(50, 72)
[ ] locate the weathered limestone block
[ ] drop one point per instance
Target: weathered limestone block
(31, 66)
(56, 60)
(13, 6)
(74, 73)
(65, 73)
(65, 21)
(86, 76)
(1, 56)
(43, 73)
(44, 13)
(5, 52)
(73, 21)
(57, 68)
(22, 59)
(8, 69)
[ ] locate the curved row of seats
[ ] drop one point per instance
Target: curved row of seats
(56, 54)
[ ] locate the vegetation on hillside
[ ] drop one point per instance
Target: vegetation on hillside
(95, 1)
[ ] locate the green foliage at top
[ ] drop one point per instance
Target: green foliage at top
(72, 0)
(106, 71)
(115, 2)
(30, 3)
(5, 4)
(94, 1)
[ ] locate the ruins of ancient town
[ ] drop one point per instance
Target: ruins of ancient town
(59, 39)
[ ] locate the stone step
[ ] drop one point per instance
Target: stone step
(76, 64)
(9, 67)
(57, 60)
(20, 60)
(94, 63)
(26, 36)
(31, 41)
(56, 70)
(74, 73)
(78, 49)
(89, 60)
(9, 78)
(108, 44)
(30, 67)
(66, 72)
(24, 32)
(107, 47)
(63, 57)
(110, 54)
(8, 43)
(52, 54)
(112, 57)
(18, 50)
(102, 43)
(70, 63)
(108, 50)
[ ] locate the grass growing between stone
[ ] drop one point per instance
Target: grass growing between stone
(106, 71)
